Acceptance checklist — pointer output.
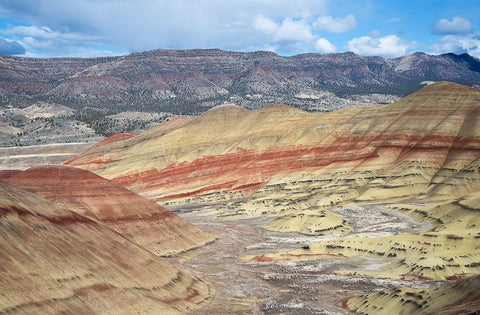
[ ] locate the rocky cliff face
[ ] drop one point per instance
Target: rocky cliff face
(55, 260)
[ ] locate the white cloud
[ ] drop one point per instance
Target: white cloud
(386, 46)
(287, 30)
(394, 19)
(265, 25)
(458, 44)
(323, 45)
(141, 25)
(43, 41)
(458, 25)
(46, 33)
(335, 25)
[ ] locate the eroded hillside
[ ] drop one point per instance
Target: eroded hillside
(302, 171)
(55, 260)
(422, 146)
(136, 218)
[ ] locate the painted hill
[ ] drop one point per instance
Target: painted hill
(420, 155)
(57, 261)
(423, 145)
(140, 220)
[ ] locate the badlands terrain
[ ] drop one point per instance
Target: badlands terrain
(368, 209)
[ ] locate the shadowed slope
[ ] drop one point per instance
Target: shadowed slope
(142, 221)
(54, 260)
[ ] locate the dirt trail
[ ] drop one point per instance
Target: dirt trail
(306, 287)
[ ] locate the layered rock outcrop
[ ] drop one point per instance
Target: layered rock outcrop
(420, 155)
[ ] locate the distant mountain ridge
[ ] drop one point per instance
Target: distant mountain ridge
(191, 81)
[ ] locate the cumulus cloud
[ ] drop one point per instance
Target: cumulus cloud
(386, 46)
(335, 25)
(323, 45)
(458, 44)
(10, 47)
(458, 25)
(287, 30)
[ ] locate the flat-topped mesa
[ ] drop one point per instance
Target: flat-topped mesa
(139, 219)
(55, 260)
(391, 152)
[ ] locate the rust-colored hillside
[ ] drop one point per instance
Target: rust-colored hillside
(136, 218)
(422, 146)
(423, 153)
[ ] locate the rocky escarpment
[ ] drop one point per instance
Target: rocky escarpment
(140, 220)
(58, 261)
(104, 96)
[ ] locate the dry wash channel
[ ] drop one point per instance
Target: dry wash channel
(249, 280)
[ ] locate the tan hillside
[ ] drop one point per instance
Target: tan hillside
(57, 261)
(422, 152)
(461, 297)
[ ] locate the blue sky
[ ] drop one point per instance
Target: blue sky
(92, 28)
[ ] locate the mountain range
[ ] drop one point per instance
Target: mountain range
(184, 81)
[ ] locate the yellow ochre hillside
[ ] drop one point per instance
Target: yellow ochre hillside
(425, 146)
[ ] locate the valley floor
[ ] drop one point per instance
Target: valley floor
(44, 154)
(295, 287)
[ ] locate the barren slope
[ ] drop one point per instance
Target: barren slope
(136, 218)
(419, 156)
(461, 297)
(422, 152)
(423, 145)
(54, 260)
